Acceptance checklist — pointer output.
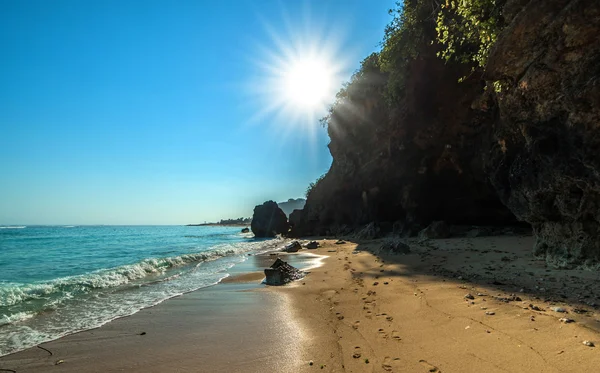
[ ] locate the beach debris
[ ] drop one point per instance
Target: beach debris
(490, 313)
(469, 296)
(589, 343)
(558, 309)
(366, 361)
(566, 320)
(58, 362)
(45, 349)
(292, 247)
(281, 273)
(312, 245)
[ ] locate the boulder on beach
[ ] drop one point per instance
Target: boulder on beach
(292, 247)
(312, 245)
(245, 230)
(269, 220)
(437, 229)
(395, 246)
(280, 273)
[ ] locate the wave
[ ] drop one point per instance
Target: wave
(16, 317)
(71, 286)
(13, 227)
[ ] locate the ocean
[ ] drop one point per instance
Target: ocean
(57, 280)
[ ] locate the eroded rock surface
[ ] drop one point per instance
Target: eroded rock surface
(545, 159)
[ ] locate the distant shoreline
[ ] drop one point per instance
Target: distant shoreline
(217, 225)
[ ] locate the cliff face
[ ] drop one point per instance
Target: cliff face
(405, 166)
(525, 148)
(545, 160)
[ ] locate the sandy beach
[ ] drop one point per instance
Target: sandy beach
(453, 305)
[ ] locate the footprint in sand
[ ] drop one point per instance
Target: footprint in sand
(389, 364)
(396, 335)
(431, 368)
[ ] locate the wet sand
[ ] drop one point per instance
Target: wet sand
(224, 328)
(455, 305)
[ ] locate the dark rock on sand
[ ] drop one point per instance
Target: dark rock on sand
(281, 273)
(292, 247)
(312, 245)
(268, 220)
(437, 229)
(245, 230)
(395, 246)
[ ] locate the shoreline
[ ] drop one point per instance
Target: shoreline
(358, 310)
(223, 310)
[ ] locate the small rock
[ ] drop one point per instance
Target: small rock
(558, 309)
(490, 313)
(340, 242)
(589, 343)
(566, 320)
(312, 245)
(469, 296)
(535, 308)
(310, 363)
(375, 283)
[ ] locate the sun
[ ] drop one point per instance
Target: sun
(308, 83)
(297, 72)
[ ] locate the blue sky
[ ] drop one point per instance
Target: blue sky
(154, 112)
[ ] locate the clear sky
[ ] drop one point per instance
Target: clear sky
(172, 111)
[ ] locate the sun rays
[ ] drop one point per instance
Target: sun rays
(298, 74)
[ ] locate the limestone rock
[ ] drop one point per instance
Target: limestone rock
(544, 162)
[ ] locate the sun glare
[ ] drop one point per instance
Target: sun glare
(300, 69)
(308, 83)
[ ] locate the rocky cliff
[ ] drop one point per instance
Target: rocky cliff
(515, 140)
(545, 159)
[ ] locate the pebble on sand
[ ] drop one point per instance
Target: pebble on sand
(589, 343)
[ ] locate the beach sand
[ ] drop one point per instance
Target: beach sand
(409, 313)
(361, 311)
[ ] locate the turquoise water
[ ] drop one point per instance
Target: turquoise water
(56, 280)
